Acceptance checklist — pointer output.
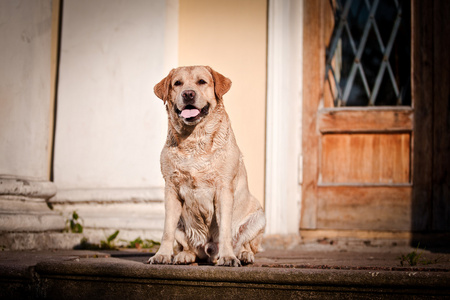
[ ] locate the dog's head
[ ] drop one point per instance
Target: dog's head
(192, 93)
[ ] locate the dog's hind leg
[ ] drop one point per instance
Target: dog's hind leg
(187, 255)
(246, 255)
(248, 237)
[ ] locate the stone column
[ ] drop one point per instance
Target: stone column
(26, 118)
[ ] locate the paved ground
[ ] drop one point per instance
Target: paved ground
(328, 257)
(312, 256)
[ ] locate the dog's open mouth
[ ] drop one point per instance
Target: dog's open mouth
(191, 113)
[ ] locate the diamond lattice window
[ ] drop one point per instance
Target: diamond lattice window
(368, 55)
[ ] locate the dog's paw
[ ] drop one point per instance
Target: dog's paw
(160, 259)
(246, 257)
(229, 261)
(184, 257)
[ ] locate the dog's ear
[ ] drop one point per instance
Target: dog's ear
(221, 83)
(162, 88)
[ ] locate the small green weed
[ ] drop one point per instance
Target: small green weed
(143, 244)
(104, 245)
(415, 258)
(109, 243)
(74, 224)
(411, 258)
(85, 245)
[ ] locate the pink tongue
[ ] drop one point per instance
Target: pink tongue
(189, 113)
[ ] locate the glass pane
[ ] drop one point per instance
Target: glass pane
(369, 53)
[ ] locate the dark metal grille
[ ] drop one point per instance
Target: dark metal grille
(368, 56)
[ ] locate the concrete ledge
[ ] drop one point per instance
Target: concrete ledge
(120, 281)
(85, 275)
(23, 206)
(117, 215)
(109, 195)
(25, 214)
(110, 267)
(38, 240)
(27, 188)
(23, 222)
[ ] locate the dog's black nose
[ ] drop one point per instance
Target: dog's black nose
(188, 96)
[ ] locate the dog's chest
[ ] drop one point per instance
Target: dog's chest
(194, 178)
(199, 200)
(195, 170)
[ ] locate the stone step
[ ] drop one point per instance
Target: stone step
(100, 275)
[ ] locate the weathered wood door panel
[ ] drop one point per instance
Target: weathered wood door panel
(375, 158)
(364, 173)
(357, 160)
(364, 208)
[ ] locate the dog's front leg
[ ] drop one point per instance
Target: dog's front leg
(224, 213)
(172, 216)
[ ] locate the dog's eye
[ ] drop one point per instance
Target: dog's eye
(177, 83)
(201, 81)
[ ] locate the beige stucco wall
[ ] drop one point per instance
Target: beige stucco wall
(231, 37)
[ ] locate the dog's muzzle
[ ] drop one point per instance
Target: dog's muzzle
(190, 113)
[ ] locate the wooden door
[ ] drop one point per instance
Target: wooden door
(357, 160)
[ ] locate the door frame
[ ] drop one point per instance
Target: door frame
(283, 119)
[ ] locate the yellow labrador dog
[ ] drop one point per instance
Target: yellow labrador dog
(209, 210)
